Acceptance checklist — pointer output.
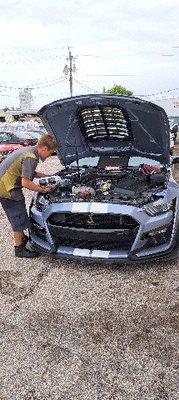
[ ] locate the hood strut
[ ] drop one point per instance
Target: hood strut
(77, 161)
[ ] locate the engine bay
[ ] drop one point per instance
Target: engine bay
(130, 185)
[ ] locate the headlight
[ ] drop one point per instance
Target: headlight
(155, 209)
(42, 202)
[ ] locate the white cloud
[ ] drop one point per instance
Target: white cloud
(16, 33)
(129, 36)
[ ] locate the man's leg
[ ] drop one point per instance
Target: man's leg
(18, 218)
(18, 238)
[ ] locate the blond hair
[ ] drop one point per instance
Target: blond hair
(49, 141)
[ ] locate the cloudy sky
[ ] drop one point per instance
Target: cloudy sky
(138, 41)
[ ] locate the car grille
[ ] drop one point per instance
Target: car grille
(97, 244)
(92, 221)
(93, 231)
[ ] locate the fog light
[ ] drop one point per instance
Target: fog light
(158, 236)
(157, 232)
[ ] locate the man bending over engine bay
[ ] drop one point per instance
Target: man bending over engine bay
(17, 171)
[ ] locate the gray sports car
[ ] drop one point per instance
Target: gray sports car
(115, 199)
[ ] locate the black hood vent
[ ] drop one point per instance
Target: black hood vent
(104, 123)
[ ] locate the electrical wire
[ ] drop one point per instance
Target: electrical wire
(38, 81)
(26, 51)
(85, 86)
(161, 92)
(51, 84)
(31, 60)
(35, 86)
(148, 95)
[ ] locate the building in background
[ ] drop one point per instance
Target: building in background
(6, 116)
(2, 116)
(25, 99)
(10, 116)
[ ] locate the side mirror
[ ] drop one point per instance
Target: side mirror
(174, 160)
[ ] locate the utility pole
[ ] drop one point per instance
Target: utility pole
(71, 74)
(69, 69)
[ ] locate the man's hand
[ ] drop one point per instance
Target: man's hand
(28, 184)
(46, 189)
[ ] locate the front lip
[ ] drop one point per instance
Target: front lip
(161, 255)
(146, 224)
(98, 256)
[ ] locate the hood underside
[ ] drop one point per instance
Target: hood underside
(93, 125)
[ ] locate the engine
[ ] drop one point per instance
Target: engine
(135, 186)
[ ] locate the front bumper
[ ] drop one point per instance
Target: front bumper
(116, 245)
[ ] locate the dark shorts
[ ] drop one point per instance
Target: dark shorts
(16, 213)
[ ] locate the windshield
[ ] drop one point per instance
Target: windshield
(132, 162)
(174, 120)
(35, 134)
(5, 137)
(21, 135)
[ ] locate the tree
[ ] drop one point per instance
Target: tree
(118, 89)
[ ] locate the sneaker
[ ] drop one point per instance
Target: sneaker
(25, 240)
(22, 252)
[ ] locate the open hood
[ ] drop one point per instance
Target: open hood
(107, 124)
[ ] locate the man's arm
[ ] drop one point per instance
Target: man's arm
(40, 174)
(28, 184)
(28, 174)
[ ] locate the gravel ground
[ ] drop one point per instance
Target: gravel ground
(86, 332)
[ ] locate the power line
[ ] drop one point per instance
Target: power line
(161, 92)
(26, 51)
(36, 86)
(51, 84)
(85, 86)
(107, 75)
(37, 82)
(31, 60)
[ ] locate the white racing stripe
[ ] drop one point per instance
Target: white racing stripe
(81, 252)
(91, 253)
(79, 207)
(90, 208)
(100, 254)
(99, 208)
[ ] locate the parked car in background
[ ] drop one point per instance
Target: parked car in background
(116, 199)
(174, 119)
(174, 129)
(42, 128)
(10, 142)
(34, 134)
(172, 143)
(7, 148)
(17, 138)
